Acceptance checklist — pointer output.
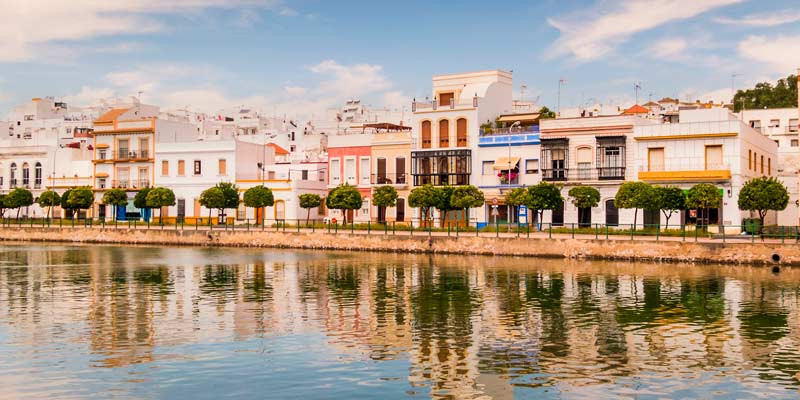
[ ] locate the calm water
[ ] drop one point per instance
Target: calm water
(138, 322)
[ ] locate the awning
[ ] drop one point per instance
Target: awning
(518, 117)
(506, 163)
(102, 146)
(101, 175)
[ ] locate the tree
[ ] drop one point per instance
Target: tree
(584, 196)
(231, 193)
(3, 206)
(466, 197)
(545, 113)
(544, 196)
(212, 198)
(763, 194)
(49, 199)
(669, 200)
(140, 200)
(81, 198)
(517, 197)
(160, 197)
(703, 196)
(443, 196)
(424, 197)
(19, 198)
(382, 197)
(634, 195)
(309, 201)
(115, 198)
(258, 197)
(64, 201)
(344, 197)
(764, 95)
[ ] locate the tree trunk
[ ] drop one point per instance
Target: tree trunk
(18, 210)
(635, 217)
(308, 216)
(49, 209)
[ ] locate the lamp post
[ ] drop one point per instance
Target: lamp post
(508, 175)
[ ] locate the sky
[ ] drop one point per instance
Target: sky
(301, 57)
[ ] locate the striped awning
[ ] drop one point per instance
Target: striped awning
(506, 163)
(101, 175)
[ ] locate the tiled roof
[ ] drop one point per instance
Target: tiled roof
(280, 151)
(111, 115)
(636, 109)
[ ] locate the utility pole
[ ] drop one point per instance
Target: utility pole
(637, 86)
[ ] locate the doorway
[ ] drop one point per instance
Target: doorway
(612, 213)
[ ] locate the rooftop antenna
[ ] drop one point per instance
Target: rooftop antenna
(637, 86)
(522, 90)
(558, 101)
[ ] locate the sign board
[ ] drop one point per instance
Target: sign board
(522, 215)
(494, 201)
(494, 211)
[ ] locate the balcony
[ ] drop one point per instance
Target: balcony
(432, 105)
(583, 174)
(124, 155)
(720, 172)
(389, 179)
(130, 184)
(441, 179)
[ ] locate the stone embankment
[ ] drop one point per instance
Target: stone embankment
(645, 250)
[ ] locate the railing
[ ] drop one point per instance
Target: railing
(389, 179)
(583, 174)
(128, 184)
(126, 155)
(440, 179)
(433, 105)
(748, 233)
(520, 130)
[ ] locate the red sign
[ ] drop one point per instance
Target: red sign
(494, 201)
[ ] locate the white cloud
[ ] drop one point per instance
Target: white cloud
(395, 100)
(295, 90)
(763, 20)
(31, 27)
(779, 54)
(670, 47)
(350, 80)
(715, 95)
(593, 33)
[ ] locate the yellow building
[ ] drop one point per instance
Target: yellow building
(391, 152)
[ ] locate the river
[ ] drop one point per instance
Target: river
(209, 323)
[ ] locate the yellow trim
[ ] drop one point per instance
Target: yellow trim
(101, 146)
(263, 180)
(101, 175)
(722, 174)
(696, 136)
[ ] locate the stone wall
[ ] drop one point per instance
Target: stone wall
(668, 251)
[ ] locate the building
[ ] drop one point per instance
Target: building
(350, 162)
(391, 152)
(446, 128)
(124, 153)
(706, 146)
(598, 151)
(46, 145)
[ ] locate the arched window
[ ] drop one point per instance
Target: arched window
(26, 174)
(426, 134)
(461, 132)
(612, 214)
(13, 177)
(37, 176)
(444, 133)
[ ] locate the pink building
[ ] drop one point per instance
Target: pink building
(349, 162)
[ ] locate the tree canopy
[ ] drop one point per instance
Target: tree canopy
(160, 197)
(545, 113)
(764, 95)
(584, 196)
(635, 195)
(64, 197)
(231, 194)
(344, 197)
(703, 195)
(140, 200)
(49, 199)
(545, 196)
(669, 200)
(763, 194)
(384, 196)
(212, 198)
(115, 197)
(81, 198)
(309, 201)
(467, 196)
(424, 197)
(258, 196)
(19, 198)
(517, 197)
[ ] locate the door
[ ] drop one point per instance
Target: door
(101, 211)
(584, 217)
(381, 173)
(558, 216)
(401, 210)
(181, 210)
(655, 159)
(280, 210)
(364, 171)
(612, 213)
(400, 170)
(652, 218)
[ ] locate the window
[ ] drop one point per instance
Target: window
(584, 159)
(123, 149)
(364, 171)
(426, 134)
(13, 180)
(794, 143)
(321, 175)
(755, 161)
(336, 172)
(774, 123)
(762, 164)
(487, 167)
(144, 148)
(101, 183)
(241, 212)
(714, 157)
(444, 133)
(749, 159)
(350, 171)
(198, 167)
(101, 154)
(181, 168)
(222, 166)
(531, 166)
(769, 166)
(755, 124)
(304, 175)
(364, 211)
(777, 143)
(144, 178)
(446, 99)
(655, 159)
(400, 170)
(292, 148)
(461, 132)
(793, 125)
(610, 156)
(37, 176)
(554, 159)
(26, 175)
(164, 168)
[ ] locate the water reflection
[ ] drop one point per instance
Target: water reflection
(209, 323)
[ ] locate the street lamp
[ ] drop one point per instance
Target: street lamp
(508, 175)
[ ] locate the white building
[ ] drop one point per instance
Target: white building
(45, 145)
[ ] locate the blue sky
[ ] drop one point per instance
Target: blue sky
(301, 57)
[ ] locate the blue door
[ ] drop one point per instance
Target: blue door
(121, 213)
